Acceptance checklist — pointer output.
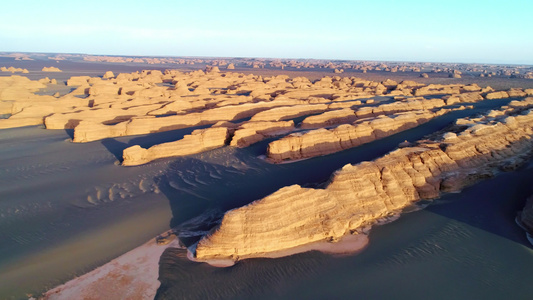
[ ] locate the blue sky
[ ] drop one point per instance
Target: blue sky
(411, 30)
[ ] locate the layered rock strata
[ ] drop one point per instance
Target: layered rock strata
(253, 132)
(198, 141)
(323, 141)
(526, 216)
(360, 195)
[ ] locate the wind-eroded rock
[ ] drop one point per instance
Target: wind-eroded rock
(526, 216)
(198, 141)
(253, 132)
(51, 69)
(360, 195)
(322, 141)
(464, 97)
(14, 70)
(497, 95)
(329, 118)
(288, 112)
(149, 124)
(104, 116)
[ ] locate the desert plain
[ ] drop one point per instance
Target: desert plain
(142, 177)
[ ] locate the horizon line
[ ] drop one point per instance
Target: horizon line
(272, 58)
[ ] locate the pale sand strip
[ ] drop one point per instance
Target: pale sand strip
(130, 276)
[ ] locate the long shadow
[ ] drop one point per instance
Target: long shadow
(491, 205)
(201, 186)
(117, 145)
(70, 133)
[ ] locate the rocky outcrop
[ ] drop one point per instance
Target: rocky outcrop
(108, 74)
(51, 69)
(289, 112)
(516, 93)
(322, 141)
(497, 95)
(17, 98)
(253, 132)
(410, 104)
(360, 195)
(329, 118)
(78, 80)
(14, 70)
(86, 132)
(105, 116)
(198, 141)
(469, 97)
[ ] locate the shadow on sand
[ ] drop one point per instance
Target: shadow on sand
(201, 187)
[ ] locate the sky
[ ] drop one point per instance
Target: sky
(469, 31)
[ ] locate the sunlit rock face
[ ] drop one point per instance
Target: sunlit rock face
(198, 141)
(360, 195)
(322, 141)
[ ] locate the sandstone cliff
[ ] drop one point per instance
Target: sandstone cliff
(322, 141)
(360, 195)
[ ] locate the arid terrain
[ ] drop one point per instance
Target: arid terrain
(258, 158)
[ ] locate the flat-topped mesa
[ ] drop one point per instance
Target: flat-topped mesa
(360, 195)
(51, 69)
(198, 141)
(323, 141)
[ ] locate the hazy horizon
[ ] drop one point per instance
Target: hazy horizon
(491, 32)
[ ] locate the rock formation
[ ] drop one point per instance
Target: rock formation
(329, 118)
(89, 131)
(14, 70)
(289, 112)
(51, 69)
(152, 101)
(497, 95)
(198, 141)
(360, 195)
(322, 141)
(108, 74)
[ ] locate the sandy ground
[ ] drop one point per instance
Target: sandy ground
(134, 275)
(349, 244)
(130, 276)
